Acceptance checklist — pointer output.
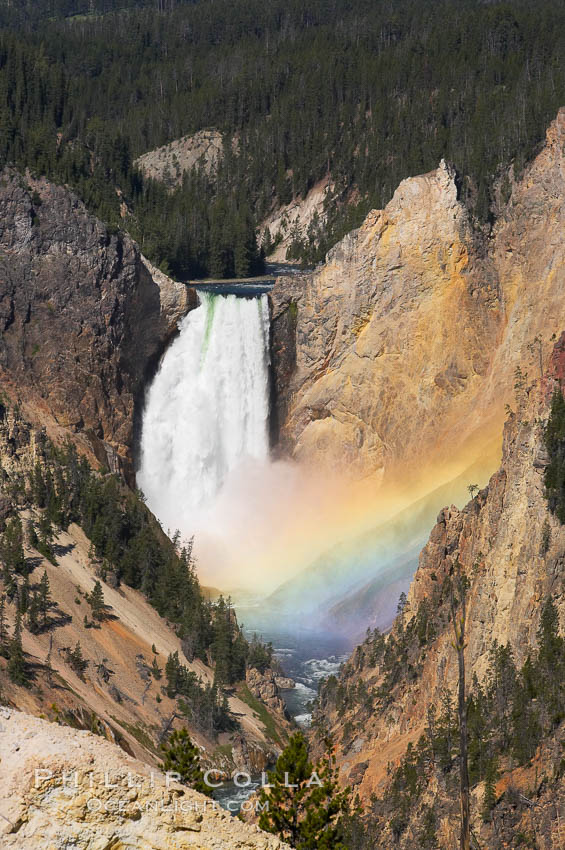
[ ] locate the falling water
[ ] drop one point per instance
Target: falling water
(208, 406)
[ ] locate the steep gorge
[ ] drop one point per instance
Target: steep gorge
(397, 356)
(509, 548)
(124, 691)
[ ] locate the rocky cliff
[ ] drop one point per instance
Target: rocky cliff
(62, 788)
(83, 318)
(399, 352)
(169, 162)
(510, 549)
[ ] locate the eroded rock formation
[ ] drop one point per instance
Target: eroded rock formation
(400, 350)
(169, 162)
(265, 686)
(83, 318)
(63, 788)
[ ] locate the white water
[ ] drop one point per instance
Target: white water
(207, 409)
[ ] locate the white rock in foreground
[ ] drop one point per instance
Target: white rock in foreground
(60, 788)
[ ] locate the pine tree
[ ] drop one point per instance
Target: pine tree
(428, 835)
(33, 613)
(550, 668)
(24, 595)
(183, 757)
(45, 538)
(16, 664)
(96, 601)
(9, 579)
(306, 807)
(221, 649)
(458, 622)
(11, 546)
(489, 798)
(554, 475)
(77, 660)
(545, 537)
(44, 597)
(172, 668)
(3, 627)
(48, 666)
(32, 537)
(155, 669)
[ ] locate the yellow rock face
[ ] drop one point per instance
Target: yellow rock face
(407, 339)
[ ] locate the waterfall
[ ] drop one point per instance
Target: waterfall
(208, 406)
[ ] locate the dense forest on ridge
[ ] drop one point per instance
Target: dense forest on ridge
(367, 92)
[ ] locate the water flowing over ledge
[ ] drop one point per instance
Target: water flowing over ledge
(207, 409)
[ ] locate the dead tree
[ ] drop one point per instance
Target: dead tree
(458, 622)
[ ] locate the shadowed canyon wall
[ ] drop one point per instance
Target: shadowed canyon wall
(83, 318)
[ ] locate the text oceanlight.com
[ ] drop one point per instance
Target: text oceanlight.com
(130, 784)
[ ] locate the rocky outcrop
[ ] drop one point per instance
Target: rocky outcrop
(263, 685)
(295, 220)
(62, 788)
(83, 318)
(392, 334)
(285, 683)
(510, 548)
(399, 352)
(169, 162)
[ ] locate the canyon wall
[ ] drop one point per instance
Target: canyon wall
(509, 548)
(400, 351)
(83, 318)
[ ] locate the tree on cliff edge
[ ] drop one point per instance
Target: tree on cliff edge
(181, 756)
(305, 805)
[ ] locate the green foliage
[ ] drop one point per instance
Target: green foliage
(306, 806)
(489, 799)
(515, 708)
(44, 598)
(554, 476)
(77, 660)
(125, 537)
(3, 627)
(545, 537)
(183, 757)
(228, 648)
(260, 710)
(12, 549)
(509, 714)
(428, 834)
(356, 90)
(129, 543)
(407, 785)
(259, 655)
(203, 705)
(156, 670)
(96, 601)
(17, 667)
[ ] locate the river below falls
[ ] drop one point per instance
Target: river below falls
(304, 654)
